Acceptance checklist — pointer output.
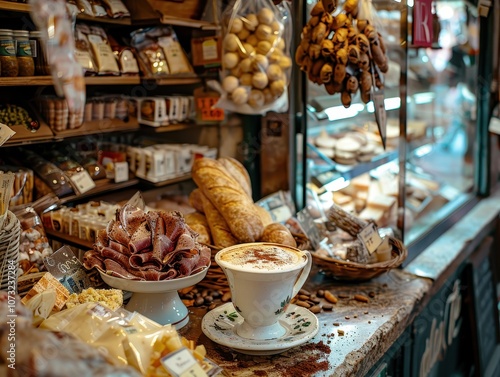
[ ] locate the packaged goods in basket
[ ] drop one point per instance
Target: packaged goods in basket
(22, 189)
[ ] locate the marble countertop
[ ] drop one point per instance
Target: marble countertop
(369, 330)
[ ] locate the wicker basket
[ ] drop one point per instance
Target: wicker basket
(215, 278)
(345, 270)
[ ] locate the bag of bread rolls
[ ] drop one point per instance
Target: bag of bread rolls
(256, 63)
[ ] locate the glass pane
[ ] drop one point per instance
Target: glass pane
(441, 119)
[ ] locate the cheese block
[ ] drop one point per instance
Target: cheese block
(48, 281)
(382, 202)
(362, 182)
(340, 198)
(374, 214)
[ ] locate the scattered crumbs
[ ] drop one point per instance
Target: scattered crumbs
(369, 322)
(343, 295)
(371, 294)
(347, 317)
(355, 316)
(341, 332)
(336, 324)
(365, 312)
(385, 285)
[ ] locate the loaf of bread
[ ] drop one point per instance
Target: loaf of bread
(238, 172)
(226, 194)
(198, 222)
(195, 200)
(265, 216)
(278, 233)
(219, 229)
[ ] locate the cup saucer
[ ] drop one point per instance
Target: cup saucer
(220, 326)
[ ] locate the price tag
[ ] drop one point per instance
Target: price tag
(208, 112)
(82, 181)
(310, 228)
(370, 238)
(121, 171)
(494, 126)
(182, 363)
(380, 113)
(5, 133)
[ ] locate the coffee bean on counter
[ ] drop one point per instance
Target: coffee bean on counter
(304, 304)
(343, 295)
(304, 292)
(320, 293)
(315, 299)
(330, 297)
(226, 296)
(361, 298)
(199, 301)
(204, 293)
(189, 296)
(216, 294)
(327, 306)
(371, 294)
(315, 309)
(303, 297)
(212, 306)
(208, 299)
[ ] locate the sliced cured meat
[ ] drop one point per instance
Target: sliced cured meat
(93, 258)
(108, 252)
(143, 261)
(101, 239)
(117, 233)
(114, 268)
(131, 218)
(118, 247)
(141, 239)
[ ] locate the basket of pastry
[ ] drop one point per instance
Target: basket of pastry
(226, 214)
(357, 250)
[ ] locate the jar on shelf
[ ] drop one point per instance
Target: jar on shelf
(8, 60)
(23, 53)
(42, 67)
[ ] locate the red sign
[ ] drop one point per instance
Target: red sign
(422, 23)
(208, 112)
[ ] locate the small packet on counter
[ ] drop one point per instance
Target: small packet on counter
(67, 268)
(103, 55)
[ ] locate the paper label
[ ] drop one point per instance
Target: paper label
(82, 181)
(182, 363)
(6, 184)
(5, 133)
(380, 114)
(279, 205)
(309, 225)
(207, 109)
(494, 126)
(209, 48)
(121, 171)
(370, 238)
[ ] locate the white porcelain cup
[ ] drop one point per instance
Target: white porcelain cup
(263, 278)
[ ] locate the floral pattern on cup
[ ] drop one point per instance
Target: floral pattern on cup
(284, 306)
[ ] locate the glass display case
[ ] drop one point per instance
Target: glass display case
(428, 169)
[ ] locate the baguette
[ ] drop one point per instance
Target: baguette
(238, 172)
(195, 200)
(198, 222)
(221, 234)
(229, 198)
(278, 233)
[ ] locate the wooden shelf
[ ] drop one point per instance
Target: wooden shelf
(66, 238)
(102, 186)
(175, 127)
(179, 79)
(188, 22)
(15, 7)
(112, 80)
(25, 81)
(100, 126)
(168, 182)
(106, 20)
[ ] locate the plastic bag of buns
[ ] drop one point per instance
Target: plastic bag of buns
(256, 62)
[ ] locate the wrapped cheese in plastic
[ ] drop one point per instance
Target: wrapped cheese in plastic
(255, 58)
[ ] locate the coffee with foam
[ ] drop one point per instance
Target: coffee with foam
(262, 258)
